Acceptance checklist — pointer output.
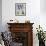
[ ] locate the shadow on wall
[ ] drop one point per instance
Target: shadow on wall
(43, 6)
(0, 15)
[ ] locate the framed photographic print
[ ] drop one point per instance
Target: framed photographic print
(20, 9)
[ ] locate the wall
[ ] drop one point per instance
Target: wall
(43, 14)
(43, 6)
(0, 14)
(33, 13)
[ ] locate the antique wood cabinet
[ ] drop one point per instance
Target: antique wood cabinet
(22, 33)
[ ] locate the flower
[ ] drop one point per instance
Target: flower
(40, 33)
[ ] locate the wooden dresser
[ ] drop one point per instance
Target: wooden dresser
(22, 33)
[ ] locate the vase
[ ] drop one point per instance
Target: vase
(41, 43)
